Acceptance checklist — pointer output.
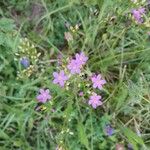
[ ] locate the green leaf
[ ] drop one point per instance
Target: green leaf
(121, 97)
(2, 38)
(91, 2)
(6, 24)
(3, 135)
(69, 109)
(133, 138)
(82, 135)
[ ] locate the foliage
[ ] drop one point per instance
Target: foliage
(117, 47)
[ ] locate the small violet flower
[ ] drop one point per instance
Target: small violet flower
(81, 58)
(95, 100)
(109, 130)
(138, 13)
(44, 95)
(60, 78)
(25, 62)
(98, 82)
(74, 67)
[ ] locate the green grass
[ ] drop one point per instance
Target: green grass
(117, 47)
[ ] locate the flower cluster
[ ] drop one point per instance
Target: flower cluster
(76, 64)
(138, 14)
(98, 82)
(74, 67)
(27, 56)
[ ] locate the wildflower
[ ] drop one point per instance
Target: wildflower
(81, 58)
(68, 36)
(138, 13)
(44, 95)
(95, 100)
(74, 67)
(109, 130)
(25, 62)
(98, 82)
(60, 78)
(81, 93)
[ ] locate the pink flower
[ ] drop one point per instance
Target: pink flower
(44, 95)
(60, 78)
(81, 93)
(138, 13)
(74, 67)
(95, 100)
(98, 82)
(76, 64)
(81, 58)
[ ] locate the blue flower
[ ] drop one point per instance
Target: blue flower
(109, 130)
(25, 62)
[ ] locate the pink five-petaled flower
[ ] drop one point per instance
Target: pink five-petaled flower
(81, 58)
(44, 95)
(98, 82)
(74, 67)
(95, 101)
(60, 78)
(137, 14)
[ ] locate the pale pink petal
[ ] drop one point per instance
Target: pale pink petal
(55, 81)
(94, 105)
(39, 97)
(100, 87)
(61, 83)
(62, 73)
(41, 91)
(90, 102)
(94, 85)
(100, 103)
(55, 74)
(99, 97)
(47, 91)
(103, 81)
(99, 77)
(49, 97)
